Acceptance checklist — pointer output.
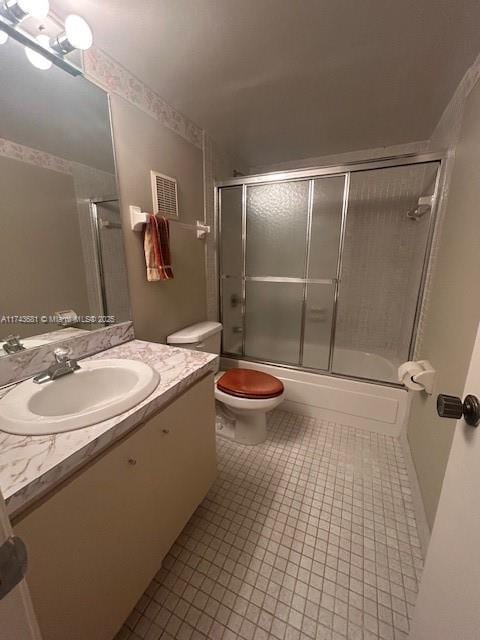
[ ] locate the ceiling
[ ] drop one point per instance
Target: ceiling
(278, 80)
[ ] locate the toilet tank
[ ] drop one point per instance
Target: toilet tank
(203, 336)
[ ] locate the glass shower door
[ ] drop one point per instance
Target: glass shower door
(113, 271)
(273, 321)
(277, 217)
(279, 260)
(231, 265)
(322, 268)
(385, 247)
(326, 272)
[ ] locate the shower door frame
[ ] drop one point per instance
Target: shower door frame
(97, 248)
(311, 174)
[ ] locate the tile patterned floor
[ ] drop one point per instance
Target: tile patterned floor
(310, 535)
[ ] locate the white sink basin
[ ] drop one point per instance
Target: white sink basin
(99, 390)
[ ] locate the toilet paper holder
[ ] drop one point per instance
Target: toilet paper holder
(417, 376)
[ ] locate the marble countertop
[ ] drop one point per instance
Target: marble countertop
(25, 364)
(30, 466)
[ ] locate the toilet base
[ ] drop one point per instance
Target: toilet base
(244, 427)
(250, 427)
(224, 422)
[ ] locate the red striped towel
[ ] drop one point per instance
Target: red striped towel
(157, 249)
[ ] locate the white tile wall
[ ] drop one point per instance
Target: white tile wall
(382, 261)
(310, 535)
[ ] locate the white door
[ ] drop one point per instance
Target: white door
(17, 619)
(448, 605)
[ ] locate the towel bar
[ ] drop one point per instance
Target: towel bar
(138, 218)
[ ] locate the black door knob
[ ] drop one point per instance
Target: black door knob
(453, 407)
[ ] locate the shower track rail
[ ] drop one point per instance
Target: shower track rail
(310, 174)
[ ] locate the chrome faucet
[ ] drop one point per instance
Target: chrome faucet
(62, 366)
(12, 344)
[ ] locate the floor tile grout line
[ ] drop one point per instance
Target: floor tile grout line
(282, 493)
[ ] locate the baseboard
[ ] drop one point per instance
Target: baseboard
(417, 500)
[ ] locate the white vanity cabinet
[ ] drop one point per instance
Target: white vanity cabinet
(95, 543)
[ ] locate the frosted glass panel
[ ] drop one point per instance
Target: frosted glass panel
(273, 321)
(113, 261)
(232, 315)
(231, 229)
(289, 308)
(318, 325)
(384, 249)
(326, 226)
(276, 229)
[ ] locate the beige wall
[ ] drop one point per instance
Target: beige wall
(447, 602)
(41, 261)
(218, 166)
(142, 144)
(453, 310)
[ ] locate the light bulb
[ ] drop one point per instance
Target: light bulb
(39, 61)
(35, 8)
(3, 37)
(78, 32)
(16, 11)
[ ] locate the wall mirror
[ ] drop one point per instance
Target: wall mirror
(61, 243)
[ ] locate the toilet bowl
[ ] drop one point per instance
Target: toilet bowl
(245, 396)
(248, 395)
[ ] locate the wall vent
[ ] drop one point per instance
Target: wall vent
(164, 194)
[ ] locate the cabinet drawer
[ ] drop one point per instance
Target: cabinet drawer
(95, 544)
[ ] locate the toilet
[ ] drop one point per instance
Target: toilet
(245, 396)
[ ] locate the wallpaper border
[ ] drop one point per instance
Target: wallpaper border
(43, 159)
(109, 74)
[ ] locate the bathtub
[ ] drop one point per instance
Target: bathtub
(364, 365)
(364, 405)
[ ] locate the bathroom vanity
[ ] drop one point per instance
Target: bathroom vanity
(98, 507)
(101, 506)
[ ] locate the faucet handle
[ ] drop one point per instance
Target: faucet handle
(62, 354)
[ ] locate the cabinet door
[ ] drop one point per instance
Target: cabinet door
(95, 544)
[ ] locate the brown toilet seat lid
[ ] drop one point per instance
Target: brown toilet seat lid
(246, 383)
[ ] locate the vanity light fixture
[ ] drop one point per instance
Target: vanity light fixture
(39, 61)
(17, 10)
(77, 35)
(43, 50)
